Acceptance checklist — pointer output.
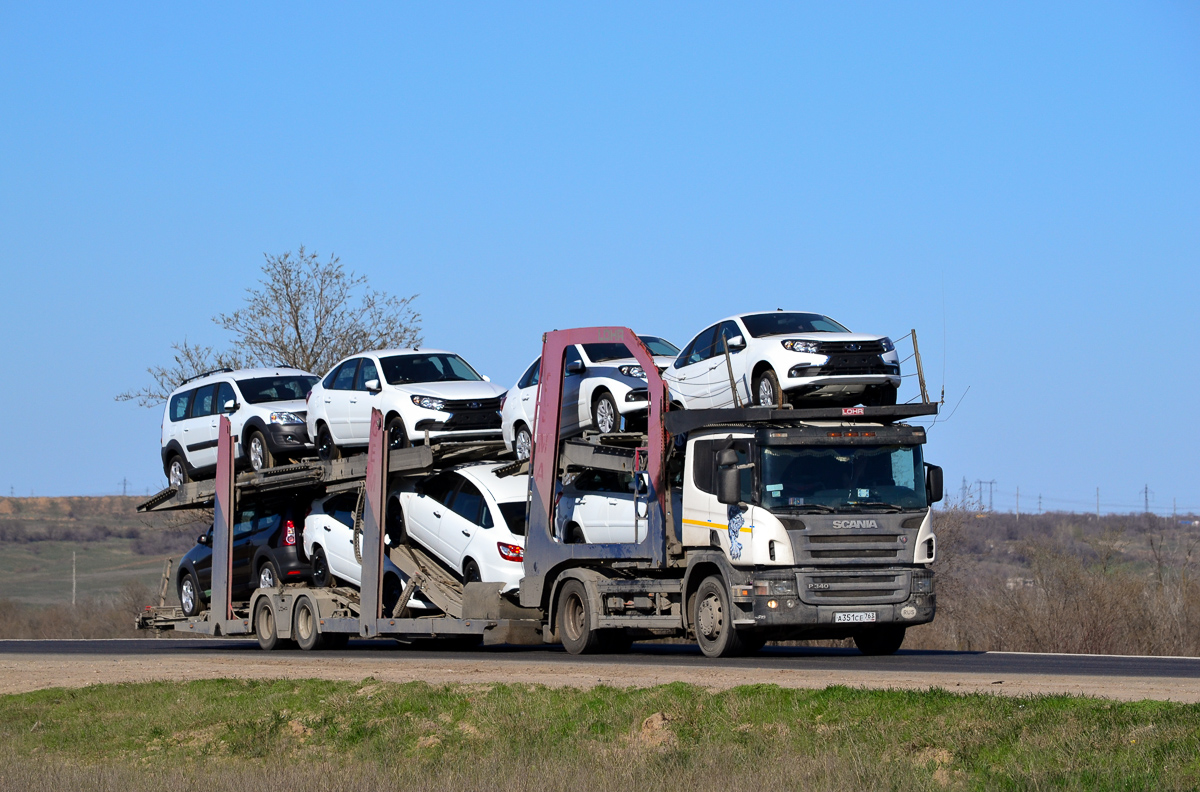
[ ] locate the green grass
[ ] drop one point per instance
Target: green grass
(308, 734)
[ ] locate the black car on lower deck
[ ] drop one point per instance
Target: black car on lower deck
(268, 551)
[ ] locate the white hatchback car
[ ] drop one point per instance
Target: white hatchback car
(783, 355)
(265, 407)
(470, 519)
(329, 546)
(602, 385)
(419, 392)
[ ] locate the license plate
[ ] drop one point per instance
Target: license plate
(855, 617)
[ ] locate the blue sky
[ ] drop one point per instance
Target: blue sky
(1021, 180)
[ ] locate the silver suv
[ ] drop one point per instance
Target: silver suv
(265, 407)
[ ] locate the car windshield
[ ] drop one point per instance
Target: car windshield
(434, 367)
(659, 346)
(783, 323)
(842, 478)
(258, 390)
(514, 516)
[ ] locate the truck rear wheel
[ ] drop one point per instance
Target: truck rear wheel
(712, 619)
(304, 630)
(880, 640)
(575, 620)
(264, 625)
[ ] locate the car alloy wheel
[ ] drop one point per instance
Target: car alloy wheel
(267, 577)
(766, 392)
(187, 595)
(523, 444)
(258, 452)
(606, 415)
(176, 473)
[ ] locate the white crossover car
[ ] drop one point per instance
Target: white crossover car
(781, 356)
(597, 507)
(266, 410)
(427, 392)
(469, 518)
(329, 544)
(602, 385)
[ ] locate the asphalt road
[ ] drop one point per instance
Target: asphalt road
(790, 658)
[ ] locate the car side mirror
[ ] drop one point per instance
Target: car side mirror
(231, 406)
(486, 378)
(372, 385)
(933, 483)
(729, 488)
(576, 367)
(736, 343)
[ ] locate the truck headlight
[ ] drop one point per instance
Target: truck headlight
(429, 402)
(285, 418)
(922, 584)
(632, 371)
(793, 345)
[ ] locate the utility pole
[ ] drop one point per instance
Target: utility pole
(124, 487)
(1146, 495)
(964, 491)
(1039, 503)
(1018, 503)
(72, 578)
(1097, 503)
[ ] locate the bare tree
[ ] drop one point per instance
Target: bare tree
(303, 313)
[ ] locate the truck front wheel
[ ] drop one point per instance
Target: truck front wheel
(880, 640)
(712, 619)
(575, 620)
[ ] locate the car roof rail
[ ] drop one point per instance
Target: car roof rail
(222, 370)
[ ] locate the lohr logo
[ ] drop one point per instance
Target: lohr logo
(610, 335)
(855, 524)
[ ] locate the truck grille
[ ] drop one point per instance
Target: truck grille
(833, 588)
(856, 546)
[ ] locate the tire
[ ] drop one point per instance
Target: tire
(880, 640)
(268, 575)
(522, 443)
(305, 625)
(574, 623)
(257, 453)
(766, 389)
(712, 619)
(327, 450)
(397, 437)
(605, 417)
(471, 572)
(322, 576)
(191, 598)
(395, 533)
(264, 625)
(575, 535)
(177, 472)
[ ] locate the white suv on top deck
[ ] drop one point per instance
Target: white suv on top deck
(602, 384)
(265, 407)
(784, 355)
(418, 391)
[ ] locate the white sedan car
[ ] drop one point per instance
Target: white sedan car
(470, 519)
(420, 392)
(329, 544)
(782, 356)
(602, 385)
(597, 506)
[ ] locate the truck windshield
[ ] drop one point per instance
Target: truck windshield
(842, 478)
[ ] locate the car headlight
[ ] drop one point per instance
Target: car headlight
(285, 418)
(811, 347)
(888, 346)
(429, 402)
(632, 371)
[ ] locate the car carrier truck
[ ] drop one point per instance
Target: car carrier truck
(760, 524)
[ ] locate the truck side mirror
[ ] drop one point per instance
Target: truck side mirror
(736, 343)
(933, 483)
(729, 489)
(576, 367)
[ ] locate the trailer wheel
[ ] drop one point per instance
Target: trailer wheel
(322, 577)
(264, 625)
(336, 640)
(880, 640)
(190, 598)
(616, 641)
(304, 629)
(712, 619)
(575, 620)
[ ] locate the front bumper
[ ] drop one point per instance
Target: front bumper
(288, 439)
